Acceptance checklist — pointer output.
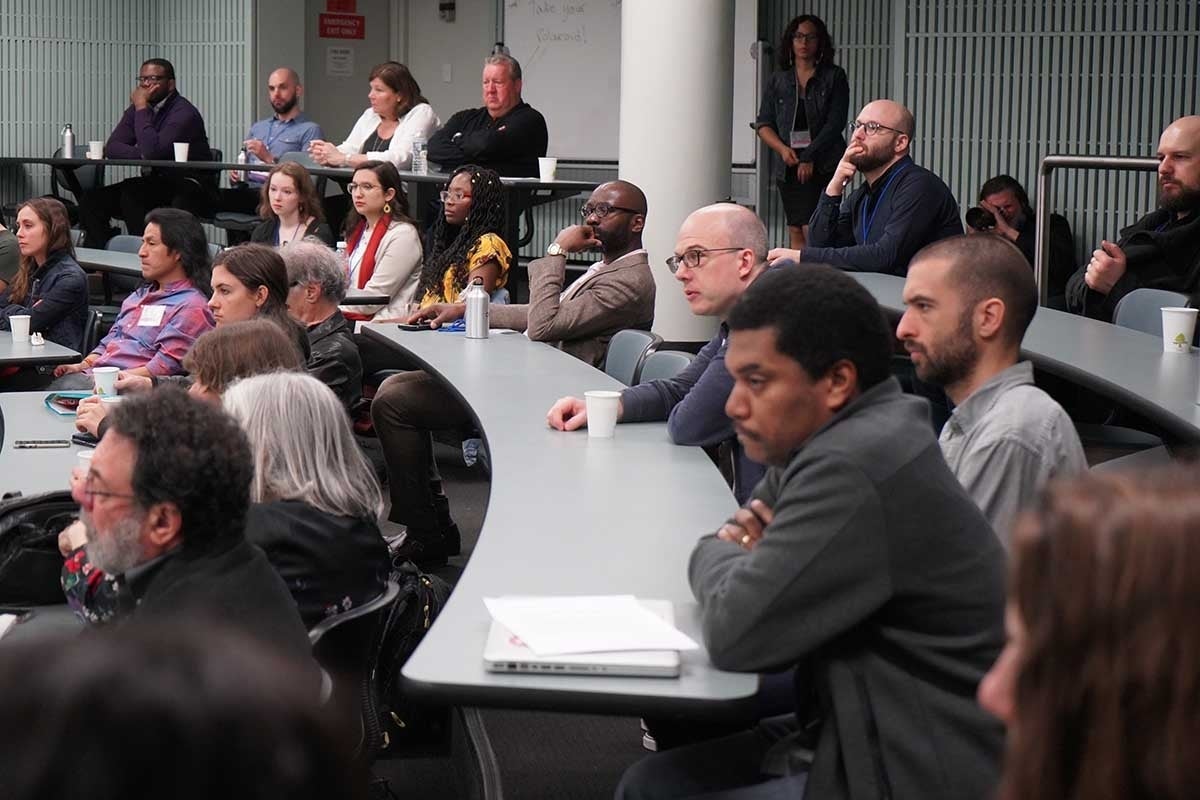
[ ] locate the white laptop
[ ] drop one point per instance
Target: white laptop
(504, 652)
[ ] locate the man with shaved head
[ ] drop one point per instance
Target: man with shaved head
(1162, 249)
(616, 292)
(719, 252)
(969, 301)
(899, 208)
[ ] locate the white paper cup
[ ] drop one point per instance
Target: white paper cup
(111, 399)
(181, 151)
(547, 168)
(85, 458)
(1178, 326)
(106, 380)
(20, 327)
(95, 149)
(602, 413)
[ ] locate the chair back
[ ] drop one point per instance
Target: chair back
(1141, 309)
(85, 177)
(345, 646)
(124, 243)
(91, 331)
(627, 350)
(663, 365)
(302, 158)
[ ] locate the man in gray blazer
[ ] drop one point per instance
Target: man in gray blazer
(616, 292)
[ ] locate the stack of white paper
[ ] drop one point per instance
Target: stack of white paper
(585, 624)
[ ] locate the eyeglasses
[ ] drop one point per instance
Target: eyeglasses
(456, 196)
(151, 78)
(873, 128)
(806, 37)
(602, 210)
(90, 493)
(692, 258)
(361, 187)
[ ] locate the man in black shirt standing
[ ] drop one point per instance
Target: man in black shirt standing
(507, 134)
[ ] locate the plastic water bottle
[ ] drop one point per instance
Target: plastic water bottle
(419, 165)
(237, 177)
(478, 304)
(68, 141)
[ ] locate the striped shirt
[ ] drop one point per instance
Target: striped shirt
(155, 329)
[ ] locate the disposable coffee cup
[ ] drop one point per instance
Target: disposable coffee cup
(547, 168)
(95, 149)
(1178, 326)
(106, 380)
(602, 413)
(20, 327)
(111, 399)
(85, 458)
(181, 151)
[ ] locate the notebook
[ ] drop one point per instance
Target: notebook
(504, 652)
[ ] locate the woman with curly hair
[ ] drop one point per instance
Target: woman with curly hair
(466, 241)
(1099, 684)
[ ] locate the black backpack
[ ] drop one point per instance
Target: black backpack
(30, 563)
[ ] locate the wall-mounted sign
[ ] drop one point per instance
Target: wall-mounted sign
(342, 26)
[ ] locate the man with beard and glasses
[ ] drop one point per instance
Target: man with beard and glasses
(969, 301)
(899, 209)
(1162, 249)
(616, 292)
(164, 506)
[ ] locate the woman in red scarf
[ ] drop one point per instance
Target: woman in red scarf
(382, 243)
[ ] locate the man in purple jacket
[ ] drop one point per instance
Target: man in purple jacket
(157, 117)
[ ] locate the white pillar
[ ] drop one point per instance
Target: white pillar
(675, 133)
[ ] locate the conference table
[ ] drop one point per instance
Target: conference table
(567, 515)
(22, 353)
(1126, 366)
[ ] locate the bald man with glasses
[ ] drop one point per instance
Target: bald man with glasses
(899, 208)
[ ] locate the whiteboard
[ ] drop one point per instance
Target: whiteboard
(570, 55)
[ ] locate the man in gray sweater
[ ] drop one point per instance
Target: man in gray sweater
(860, 563)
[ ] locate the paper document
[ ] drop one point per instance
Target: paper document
(585, 624)
(6, 622)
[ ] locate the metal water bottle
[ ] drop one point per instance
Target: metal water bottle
(68, 141)
(478, 304)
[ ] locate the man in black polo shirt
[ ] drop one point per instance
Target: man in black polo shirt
(899, 209)
(506, 135)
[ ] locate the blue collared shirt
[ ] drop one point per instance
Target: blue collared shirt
(282, 136)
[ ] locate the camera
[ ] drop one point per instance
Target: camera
(980, 219)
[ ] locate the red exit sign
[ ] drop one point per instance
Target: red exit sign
(342, 26)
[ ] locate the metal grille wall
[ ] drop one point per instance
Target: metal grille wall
(862, 34)
(997, 86)
(74, 62)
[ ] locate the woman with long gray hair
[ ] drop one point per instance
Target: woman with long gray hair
(316, 501)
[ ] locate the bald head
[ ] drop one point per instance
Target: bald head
(1179, 166)
(284, 91)
(629, 195)
(736, 226)
(891, 114)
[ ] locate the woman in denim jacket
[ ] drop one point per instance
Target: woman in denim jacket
(802, 117)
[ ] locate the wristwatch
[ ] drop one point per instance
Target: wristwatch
(555, 249)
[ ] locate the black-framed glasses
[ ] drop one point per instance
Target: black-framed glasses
(806, 37)
(456, 195)
(873, 128)
(152, 78)
(692, 258)
(602, 210)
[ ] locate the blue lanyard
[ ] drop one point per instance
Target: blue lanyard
(867, 223)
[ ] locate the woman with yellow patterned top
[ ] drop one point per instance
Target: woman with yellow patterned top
(466, 241)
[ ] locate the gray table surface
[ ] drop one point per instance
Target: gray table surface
(36, 470)
(114, 261)
(13, 353)
(568, 515)
(1126, 366)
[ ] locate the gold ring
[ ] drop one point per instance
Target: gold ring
(746, 539)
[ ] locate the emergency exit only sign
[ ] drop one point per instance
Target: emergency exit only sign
(342, 26)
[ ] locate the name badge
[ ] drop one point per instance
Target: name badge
(800, 139)
(151, 316)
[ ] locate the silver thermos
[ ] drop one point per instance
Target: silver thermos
(477, 310)
(68, 141)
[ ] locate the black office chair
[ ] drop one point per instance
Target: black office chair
(346, 645)
(77, 181)
(91, 330)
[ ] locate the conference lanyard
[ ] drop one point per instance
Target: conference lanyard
(868, 222)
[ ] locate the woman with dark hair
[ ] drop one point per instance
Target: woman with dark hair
(1099, 684)
(382, 243)
(398, 114)
(158, 322)
(802, 118)
(290, 208)
(249, 281)
(466, 241)
(49, 286)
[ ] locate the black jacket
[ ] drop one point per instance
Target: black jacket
(510, 145)
(334, 360)
(826, 104)
(329, 563)
(57, 303)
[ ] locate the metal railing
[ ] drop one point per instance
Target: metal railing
(1048, 165)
